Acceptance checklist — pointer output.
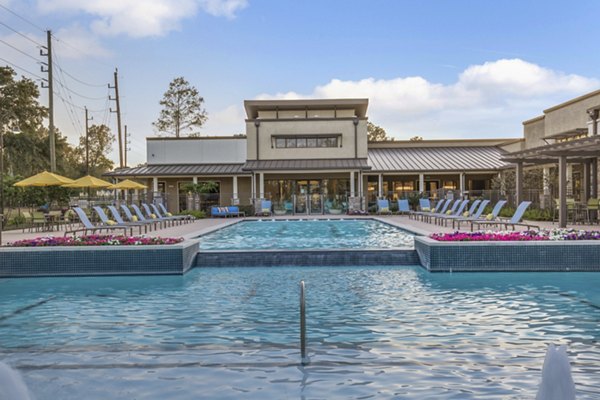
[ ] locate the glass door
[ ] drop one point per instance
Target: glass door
(301, 197)
(316, 200)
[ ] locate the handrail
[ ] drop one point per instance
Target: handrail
(304, 360)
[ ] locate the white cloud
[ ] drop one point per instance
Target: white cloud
(81, 43)
(491, 99)
(228, 121)
(139, 18)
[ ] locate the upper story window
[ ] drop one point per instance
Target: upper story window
(306, 141)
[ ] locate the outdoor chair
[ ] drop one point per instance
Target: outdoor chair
(443, 219)
(139, 217)
(443, 211)
(424, 206)
(591, 209)
(166, 212)
(88, 226)
(469, 212)
(150, 216)
(108, 222)
(472, 217)
(383, 207)
(514, 221)
(180, 218)
(34, 221)
(115, 213)
(489, 217)
(403, 206)
(440, 209)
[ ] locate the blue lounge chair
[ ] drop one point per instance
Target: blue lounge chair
(265, 208)
(107, 221)
(149, 214)
(492, 216)
(471, 211)
(441, 219)
(439, 209)
(403, 206)
(515, 220)
(163, 211)
(182, 218)
(443, 210)
(383, 207)
(141, 217)
(117, 216)
(88, 226)
(424, 205)
(472, 216)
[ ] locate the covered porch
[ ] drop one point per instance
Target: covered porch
(563, 155)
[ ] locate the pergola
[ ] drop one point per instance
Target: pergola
(583, 151)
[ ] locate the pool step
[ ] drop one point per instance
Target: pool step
(273, 258)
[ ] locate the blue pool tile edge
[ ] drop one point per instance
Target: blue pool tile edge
(174, 259)
(542, 256)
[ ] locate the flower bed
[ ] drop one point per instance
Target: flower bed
(94, 240)
(507, 236)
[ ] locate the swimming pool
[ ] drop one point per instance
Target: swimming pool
(374, 332)
(308, 234)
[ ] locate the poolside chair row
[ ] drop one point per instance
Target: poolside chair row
(454, 210)
(152, 219)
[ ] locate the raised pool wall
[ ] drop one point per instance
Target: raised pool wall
(175, 259)
(436, 256)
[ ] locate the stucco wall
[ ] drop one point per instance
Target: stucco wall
(571, 116)
(534, 132)
(345, 127)
(196, 151)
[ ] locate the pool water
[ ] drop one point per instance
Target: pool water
(232, 333)
(307, 234)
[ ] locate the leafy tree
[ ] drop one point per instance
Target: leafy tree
(100, 141)
(376, 133)
(182, 109)
(19, 106)
(416, 139)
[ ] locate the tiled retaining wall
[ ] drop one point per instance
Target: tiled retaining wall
(306, 258)
(508, 256)
(98, 260)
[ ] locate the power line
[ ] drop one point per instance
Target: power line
(21, 17)
(19, 50)
(79, 80)
(22, 35)
(79, 51)
(23, 69)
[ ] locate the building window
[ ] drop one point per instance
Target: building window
(306, 141)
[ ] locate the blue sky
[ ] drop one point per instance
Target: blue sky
(438, 69)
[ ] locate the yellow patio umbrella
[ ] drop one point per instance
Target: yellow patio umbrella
(128, 184)
(88, 181)
(44, 179)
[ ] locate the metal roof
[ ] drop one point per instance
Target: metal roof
(413, 159)
(307, 164)
(180, 169)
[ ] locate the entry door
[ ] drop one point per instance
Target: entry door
(432, 187)
(302, 195)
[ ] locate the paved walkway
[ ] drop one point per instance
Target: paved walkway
(202, 226)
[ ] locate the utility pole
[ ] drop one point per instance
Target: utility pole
(50, 88)
(87, 142)
(118, 111)
(126, 148)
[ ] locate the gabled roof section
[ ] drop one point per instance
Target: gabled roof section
(179, 170)
(436, 159)
(342, 164)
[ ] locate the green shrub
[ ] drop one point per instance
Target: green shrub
(195, 213)
(17, 220)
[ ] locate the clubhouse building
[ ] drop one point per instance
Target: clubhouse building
(314, 157)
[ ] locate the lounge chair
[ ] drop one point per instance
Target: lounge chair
(152, 215)
(403, 206)
(117, 216)
(131, 218)
(471, 211)
(441, 219)
(265, 208)
(472, 216)
(183, 218)
(141, 217)
(424, 205)
(383, 207)
(514, 221)
(34, 221)
(165, 212)
(108, 222)
(440, 209)
(490, 217)
(444, 209)
(88, 226)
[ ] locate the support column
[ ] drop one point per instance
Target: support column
(352, 184)
(586, 181)
(562, 191)
(546, 200)
(195, 180)
(380, 186)
(570, 180)
(421, 183)
(261, 184)
(594, 178)
(461, 180)
(519, 183)
(235, 189)
(155, 184)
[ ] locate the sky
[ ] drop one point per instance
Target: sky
(436, 69)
